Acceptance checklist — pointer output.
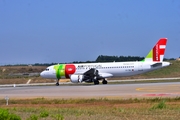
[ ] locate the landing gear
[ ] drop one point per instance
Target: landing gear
(104, 81)
(57, 83)
(96, 82)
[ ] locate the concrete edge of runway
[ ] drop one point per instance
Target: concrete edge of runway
(111, 81)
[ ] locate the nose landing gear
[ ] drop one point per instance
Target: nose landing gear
(57, 83)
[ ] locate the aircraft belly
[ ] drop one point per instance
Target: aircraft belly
(118, 72)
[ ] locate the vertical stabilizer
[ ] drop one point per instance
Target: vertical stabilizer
(157, 52)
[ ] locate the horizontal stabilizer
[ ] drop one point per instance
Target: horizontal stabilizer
(156, 65)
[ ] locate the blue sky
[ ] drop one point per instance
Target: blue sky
(46, 31)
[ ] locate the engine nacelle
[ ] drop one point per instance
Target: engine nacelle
(76, 78)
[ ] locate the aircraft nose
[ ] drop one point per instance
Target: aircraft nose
(42, 74)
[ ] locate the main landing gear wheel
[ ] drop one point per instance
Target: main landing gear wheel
(104, 81)
(96, 82)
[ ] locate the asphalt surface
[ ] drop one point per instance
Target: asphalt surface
(110, 91)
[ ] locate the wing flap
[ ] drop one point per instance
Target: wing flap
(105, 75)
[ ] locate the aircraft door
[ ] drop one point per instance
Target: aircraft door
(140, 66)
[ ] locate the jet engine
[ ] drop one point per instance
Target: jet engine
(76, 78)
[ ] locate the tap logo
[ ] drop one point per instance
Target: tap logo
(157, 53)
(69, 70)
(159, 50)
(64, 70)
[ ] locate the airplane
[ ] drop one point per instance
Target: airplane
(93, 72)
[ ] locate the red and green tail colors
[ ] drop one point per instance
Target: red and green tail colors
(157, 53)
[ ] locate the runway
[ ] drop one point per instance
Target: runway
(110, 91)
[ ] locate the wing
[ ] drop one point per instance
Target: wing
(95, 74)
(90, 74)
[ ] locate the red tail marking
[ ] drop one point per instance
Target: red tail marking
(157, 51)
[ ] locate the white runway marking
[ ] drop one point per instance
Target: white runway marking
(28, 81)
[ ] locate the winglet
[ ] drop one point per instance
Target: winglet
(157, 52)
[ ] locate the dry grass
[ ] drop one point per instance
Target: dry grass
(21, 69)
(72, 109)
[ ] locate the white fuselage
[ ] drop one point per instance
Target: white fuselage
(119, 69)
(106, 70)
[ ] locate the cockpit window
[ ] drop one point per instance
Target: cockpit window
(46, 69)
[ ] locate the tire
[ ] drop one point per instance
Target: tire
(104, 82)
(96, 82)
